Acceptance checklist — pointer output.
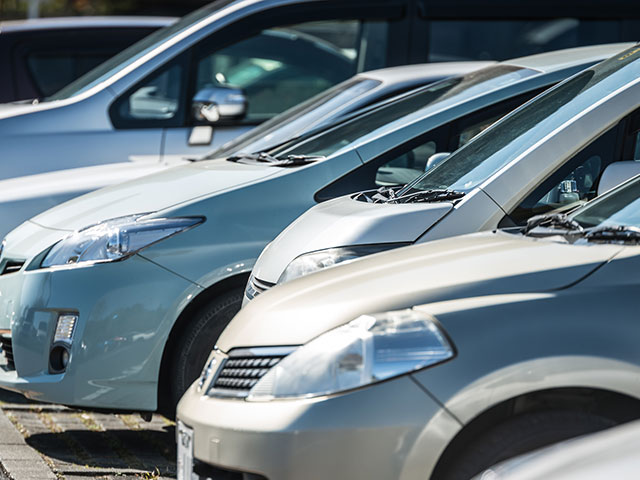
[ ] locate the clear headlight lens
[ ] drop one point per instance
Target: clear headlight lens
(369, 349)
(114, 239)
(314, 261)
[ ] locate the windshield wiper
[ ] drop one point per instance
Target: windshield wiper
(288, 161)
(395, 195)
(553, 221)
(620, 233)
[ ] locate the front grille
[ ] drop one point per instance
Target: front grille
(244, 368)
(7, 350)
(255, 287)
(11, 266)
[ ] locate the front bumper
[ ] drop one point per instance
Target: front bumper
(125, 313)
(390, 430)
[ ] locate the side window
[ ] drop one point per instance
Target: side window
(501, 39)
(50, 71)
(573, 183)
(410, 164)
(283, 66)
(155, 102)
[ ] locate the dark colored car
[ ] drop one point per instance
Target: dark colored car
(39, 57)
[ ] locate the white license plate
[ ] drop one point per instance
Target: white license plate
(184, 464)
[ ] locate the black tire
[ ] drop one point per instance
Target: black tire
(197, 340)
(519, 435)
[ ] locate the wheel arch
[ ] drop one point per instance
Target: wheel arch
(616, 406)
(198, 302)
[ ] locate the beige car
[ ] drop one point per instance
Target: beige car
(430, 361)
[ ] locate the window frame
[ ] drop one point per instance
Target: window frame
(279, 16)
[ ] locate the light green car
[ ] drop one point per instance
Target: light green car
(429, 361)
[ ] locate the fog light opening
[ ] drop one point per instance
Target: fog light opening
(59, 358)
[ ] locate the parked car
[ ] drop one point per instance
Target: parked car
(24, 197)
(521, 167)
(609, 454)
(40, 56)
(147, 320)
(431, 361)
(231, 65)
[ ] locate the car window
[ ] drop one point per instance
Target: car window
(154, 102)
(402, 111)
(619, 207)
(573, 183)
(409, 165)
(136, 51)
(51, 71)
(513, 135)
(455, 40)
(281, 67)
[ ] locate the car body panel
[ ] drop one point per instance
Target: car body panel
(152, 193)
(467, 266)
(143, 338)
(403, 409)
(612, 453)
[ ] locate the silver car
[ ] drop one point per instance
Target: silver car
(431, 361)
(197, 84)
(557, 151)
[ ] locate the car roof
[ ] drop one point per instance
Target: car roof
(422, 70)
(560, 59)
(62, 23)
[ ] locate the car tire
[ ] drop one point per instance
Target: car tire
(197, 340)
(519, 435)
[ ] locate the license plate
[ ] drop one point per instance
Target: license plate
(184, 464)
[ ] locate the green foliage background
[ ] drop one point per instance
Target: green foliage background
(17, 9)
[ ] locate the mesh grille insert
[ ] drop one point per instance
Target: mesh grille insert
(244, 368)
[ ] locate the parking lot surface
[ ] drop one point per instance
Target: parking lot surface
(41, 441)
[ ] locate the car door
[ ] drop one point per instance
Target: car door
(263, 63)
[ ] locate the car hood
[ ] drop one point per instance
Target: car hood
(473, 265)
(153, 193)
(346, 222)
(78, 179)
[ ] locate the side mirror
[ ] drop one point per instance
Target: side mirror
(435, 159)
(214, 104)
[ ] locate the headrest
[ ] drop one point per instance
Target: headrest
(616, 173)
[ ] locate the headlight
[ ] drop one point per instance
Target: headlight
(114, 239)
(314, 261)
(369, 349)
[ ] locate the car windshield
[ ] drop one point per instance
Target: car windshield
(134, 52)
(517, 132)
(297, 119)
(425, 101)
(621, 207)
